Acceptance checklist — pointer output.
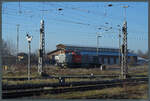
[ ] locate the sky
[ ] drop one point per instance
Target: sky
(75, 23)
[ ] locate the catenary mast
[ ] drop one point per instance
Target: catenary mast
(124, 62)
(41, 48)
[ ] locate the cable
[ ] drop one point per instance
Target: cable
(68, 8)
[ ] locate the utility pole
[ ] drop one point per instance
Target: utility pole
(19, 8)
(98, 46)
(42, 48)
(119, 47)
(29, 38)
(98, 43)
(17, 43)
(119, 57)
(17, 38)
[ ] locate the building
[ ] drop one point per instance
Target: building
(108, 56)
(142, 61)
(8, 59)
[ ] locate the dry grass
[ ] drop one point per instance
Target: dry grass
(19, 72)
(10, 82)
(133, 92)
(78, 71)
(51, 70)
(29, 82)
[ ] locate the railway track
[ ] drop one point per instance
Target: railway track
(17, 93)
(68, 76)
(64, 76)
(63, 84)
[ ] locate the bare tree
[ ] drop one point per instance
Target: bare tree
(8, 52)
(143, 55)
(140, 53)
(8, 48)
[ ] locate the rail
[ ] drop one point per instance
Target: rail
(68, 87)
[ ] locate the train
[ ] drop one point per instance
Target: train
(76, 59)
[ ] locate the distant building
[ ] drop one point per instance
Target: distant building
(22, 58)
(8, 59)
(142, 61)
(106, 56)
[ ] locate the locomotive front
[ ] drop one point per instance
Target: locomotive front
(69, 59)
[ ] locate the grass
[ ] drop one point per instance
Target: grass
(132, 92)
(21, 72)
(52, 70)
(29, 82)
(10, 82)
(139, 70)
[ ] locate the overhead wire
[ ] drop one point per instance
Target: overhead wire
(71, 8)
(74, 22)
(80, 23)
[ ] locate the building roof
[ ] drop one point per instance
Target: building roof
(53, 51)
(85, 48)
(143, 59)
(70, 45)
(105, 53)
(90, 50)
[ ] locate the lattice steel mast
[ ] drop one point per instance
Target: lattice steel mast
(124, 62)
(42, 48)
(124, 65)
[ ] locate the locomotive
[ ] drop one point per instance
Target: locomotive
(76, 59)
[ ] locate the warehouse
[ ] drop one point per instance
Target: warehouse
(107, 56)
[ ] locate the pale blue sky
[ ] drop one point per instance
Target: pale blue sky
(77, 23)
